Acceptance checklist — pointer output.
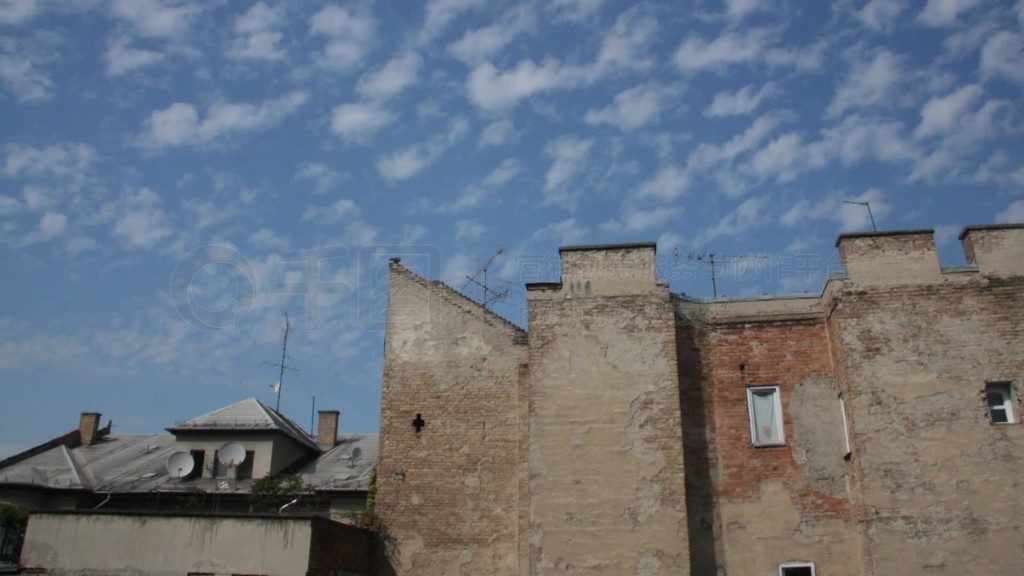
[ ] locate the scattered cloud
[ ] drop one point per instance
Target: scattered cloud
(475, 194)
(469, 230)
(1013, 214)
(939, 115)
(668, 183)
(139, 220)
(482, 44)
(634, 107)
(408, 161)
(346, 215)
(51, 225)
(881, 15)
(492, 89)
(642, 220)
(21, 64)
(180, 125)
(67, 161)
(566, 232)
(396, 75)
(850, 217)
(1003, 56)
(575, 10)
(745, 218)
(939, 13)
(736, 10)
(257, 35)
(496, 133)
(349, 33)
(14, 12)
(359, 122)
(157, 18)
(323, 178)
(122, 58)
(441, 13)
(569, 156)
(754, 46)
(741, 102)
(871, 81)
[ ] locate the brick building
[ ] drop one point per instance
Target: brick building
(872, 429)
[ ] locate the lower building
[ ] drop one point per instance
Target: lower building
(872, 429)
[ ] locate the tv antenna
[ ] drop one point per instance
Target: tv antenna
(867, 205)
(283, 366)
(712, 258)
(479, 278)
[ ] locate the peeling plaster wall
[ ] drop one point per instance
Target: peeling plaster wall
(606, 480)
(941, 486)
(762, 506)
(448, 496)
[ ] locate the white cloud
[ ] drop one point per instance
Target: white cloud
(575, 10)
(398, 74)
(322, 177)
(740, 102)
(633, 220)
(122, 58)
(140, 222)
(51, 225)
(9, 206)
(569, 156)
(66, 161)
(257, 34)
(737, 10)
(495, 134)
(696, 54)
(940, 115)
(358, 122)
(634, 107)
(1013, 214)
(491, 89)
(870, 82)
(626, 44)
(1003, 55)
(944, 12)
(349, 33)
(456, 270)
(850, 217)
(469, 230)
(179, 124)
(20, 72)
(567, 232)
(484, 43)
(881, 15)
(332, 214)
(745, 218)
(18, 11)
(407, 162)
(157, 18)
(476, 193)
(668, 183)
(441, 13)
(356, 231)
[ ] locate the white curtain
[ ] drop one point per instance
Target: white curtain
(765, 418)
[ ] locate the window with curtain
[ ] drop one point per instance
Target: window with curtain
(765, 415)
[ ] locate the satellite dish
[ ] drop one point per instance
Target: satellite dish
(231, 454)
(357, 453)
(180, 464)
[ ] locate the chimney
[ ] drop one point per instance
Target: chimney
(327, 428)
(88, 427)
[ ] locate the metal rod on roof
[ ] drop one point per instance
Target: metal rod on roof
(867, 205)
(284, 352)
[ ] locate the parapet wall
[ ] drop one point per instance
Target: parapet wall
(997, 250)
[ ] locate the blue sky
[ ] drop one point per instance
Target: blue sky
(174, 173)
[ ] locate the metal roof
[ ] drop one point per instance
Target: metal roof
(135, 464)
(246, 416)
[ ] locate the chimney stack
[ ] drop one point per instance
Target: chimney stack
(327, 428)
(88, 427)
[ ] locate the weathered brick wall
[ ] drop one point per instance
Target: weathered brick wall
(448, 495)
(752, 508)
(606, 482)
(940, 484)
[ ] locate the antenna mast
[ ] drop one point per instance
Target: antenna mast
(867, 205)
(490, 295)
(710, 259)
(283, 366)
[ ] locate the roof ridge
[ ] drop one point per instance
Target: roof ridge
(451, 292)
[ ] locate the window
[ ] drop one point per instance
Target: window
(999, 399)
(198, 460)
(245, 468)
(796, 569)
(765, 416)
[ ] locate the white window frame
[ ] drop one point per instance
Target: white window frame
(780, 439)
(846, 426)
(1005, 389)
(785, 565)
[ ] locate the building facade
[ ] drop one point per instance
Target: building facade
(872, 429)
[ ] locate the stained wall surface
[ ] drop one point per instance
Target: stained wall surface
(605, 462)
(448, 494)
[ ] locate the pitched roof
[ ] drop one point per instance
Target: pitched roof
(346, 467)
(246, 416)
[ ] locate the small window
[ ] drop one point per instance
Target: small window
(796, 569)
(999, 399)
(245, 468)
(198, 460)
(765, 416)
